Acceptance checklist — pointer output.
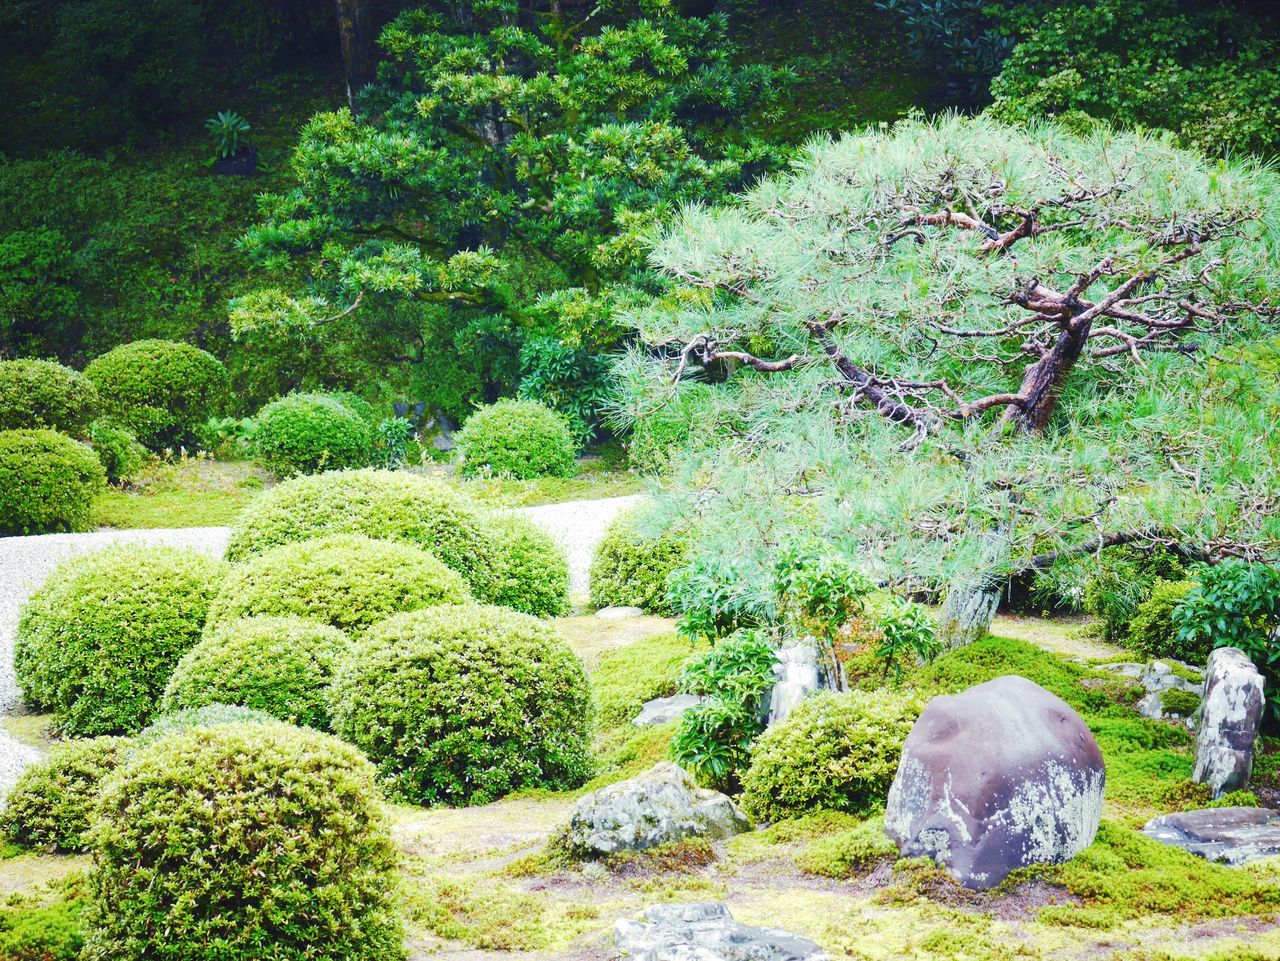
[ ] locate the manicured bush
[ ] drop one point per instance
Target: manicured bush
(355, 403)
(243, 841)
(346, 581)
(211, 715)
(47, 482)
(44, 932)
(630, 569)
(463, 704)
(280, 665)
(309, 433)
(517, 438)
(161, 390)
(43, 393)
(837, 752)
(118, 450)
(1152, 632)
(96, 644)
(531, 572)
(50, 805)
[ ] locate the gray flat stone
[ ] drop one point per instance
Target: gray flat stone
(663, 709)
(706, 931)
(1226, 835)
(619, 613)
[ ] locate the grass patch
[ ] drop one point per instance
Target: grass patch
(491, 917)
(187, 492)
(629, 676)
(850, 853)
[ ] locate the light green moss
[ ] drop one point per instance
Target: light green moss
(849, 853)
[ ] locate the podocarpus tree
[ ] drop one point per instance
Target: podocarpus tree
(500, 177)
(966, 350)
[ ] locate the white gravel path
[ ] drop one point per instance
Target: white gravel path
(26, 561)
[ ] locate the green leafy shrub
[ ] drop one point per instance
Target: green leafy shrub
(47, 482)
(835, 751)
(309, 433)
(50, 805)
(464, 704)
(517, 438)
(847, 854)
(531, 572)
(43, 393)
(391, 450)
(96, 644)
(211, 715)
(1152, 632)
(118, 450)
(1122, 581)
(47, 932)
(293, 861)
(345, 580)
(631, 570)
(279, 665)
(160, 390)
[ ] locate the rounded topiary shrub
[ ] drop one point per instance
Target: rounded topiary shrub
(243, 841)
(531, 572)
(631, 569)
(118, 450)
(1152, 632)
(280, 665)
(160, 390)
(50, 805)
(837, 752)
(463, 704)
(97, 643)
(517, 438)
(309, 433)
(346, 581)
(43, 393)
(211, 715)
(47, 482)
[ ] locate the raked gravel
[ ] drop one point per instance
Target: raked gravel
(26, 561)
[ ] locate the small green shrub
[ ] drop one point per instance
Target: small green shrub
(161, 390)
(211, 715)
(355, 403)
(346, 581)
(46, 932)
(1152, 632)
(294, 861)
(464, 704)
(50, 805)
(629, 676)
(531, 572)
(517, 438)
(847, 854)
(279, 665)
(309, 433)
(631, 570)
(97, 643)
(118, 450)
(835, 751)
(43, 393)
(47, 482)
(1124, 579)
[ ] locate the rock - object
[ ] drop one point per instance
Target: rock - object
(619, 613)
(663, 709)
(797, 671)
(1160, 677)
(1231, 710)
(659, 806)
(706, 931)
(1226, 835)
(998, 777)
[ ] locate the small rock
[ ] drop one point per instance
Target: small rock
(1230, 714)
(797, 671)
(1130, 671)
(706, 931)
(1227, 835)
(663, 709)
(998, 777)
(659, 806)
(1164, 675)
(619, 613)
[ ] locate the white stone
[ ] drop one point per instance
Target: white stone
(1230, 713)
(619, 613)
(663, 709)
(706, 931)
(797, 671)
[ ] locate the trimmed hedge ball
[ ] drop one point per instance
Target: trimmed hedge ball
(835, 752)
(310, 433)
(517, 438)
(43, 393)
(346, 581)
(97, 643)
(118, 450)
(160, 390)
(211, 715)
(50, 805)
(463, 704)
(280, 665)
(631, 570)
(48, 482)
(291, 860)
(531, 572)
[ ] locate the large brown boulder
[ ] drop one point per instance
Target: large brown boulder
(998, 777)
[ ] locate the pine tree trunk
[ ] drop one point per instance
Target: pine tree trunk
(968, 611)
(356, 34)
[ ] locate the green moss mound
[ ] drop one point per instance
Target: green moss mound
(97, 643)
(522, 439)
(531, 572)
(43, 393)
(47, 482)
(293, 861)
(160, 390)
(837, 752)
(345, 580)
(309, 433)
(629, 676)
(463, 704)
(45, 932)
(631, 570)
(50, 805)
(211, 715)
(1152, 632)
(279, 665)
(848, 854)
